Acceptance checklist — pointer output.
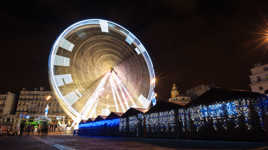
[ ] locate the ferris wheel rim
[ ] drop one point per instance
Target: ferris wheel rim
(73, 113)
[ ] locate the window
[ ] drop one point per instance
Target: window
(258, 78)
(261, 88)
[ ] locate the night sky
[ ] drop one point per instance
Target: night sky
(190, 41)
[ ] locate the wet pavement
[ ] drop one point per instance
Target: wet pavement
(22, 143)
(116, 143)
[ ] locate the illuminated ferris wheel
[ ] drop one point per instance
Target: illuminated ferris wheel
(97, 67)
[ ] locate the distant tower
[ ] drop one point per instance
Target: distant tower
(174, 91)
(259, 78)
(176, 98)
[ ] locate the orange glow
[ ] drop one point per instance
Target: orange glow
(48, 97)
(262, 36)
(153, 81)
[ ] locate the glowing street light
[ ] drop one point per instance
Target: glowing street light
(48, 97)
(262, 36)
(153, 81)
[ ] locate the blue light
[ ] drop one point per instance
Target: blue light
(217, 110)
(154, 101)
(204, 111)
(231, 108)
(112, 122)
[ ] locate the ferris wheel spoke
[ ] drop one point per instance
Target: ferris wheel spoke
(61, 70)
(65, 44)
(67, 88)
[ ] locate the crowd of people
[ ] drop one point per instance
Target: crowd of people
(32, 129)
(25, 128)
(7, 130)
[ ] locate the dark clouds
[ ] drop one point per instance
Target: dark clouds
(190, 41)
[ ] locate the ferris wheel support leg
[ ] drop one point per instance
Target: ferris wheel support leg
(119, 84)
(75, 124)
(94, 97)
(124, 88)
(117, 95)
(91, 115)
(124, 97)
(114, 96)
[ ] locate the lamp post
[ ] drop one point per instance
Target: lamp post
(47, 107)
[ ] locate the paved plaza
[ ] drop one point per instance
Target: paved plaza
(115, 143)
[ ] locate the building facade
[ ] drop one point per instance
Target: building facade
(259, 79)
(7, 103)
(38, 104)
(7, 109)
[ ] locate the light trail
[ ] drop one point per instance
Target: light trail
(114, 96)
(124, 88)
(124, 97)
(117, 95)
(92, 113)
(121, 91)
(94, 96)
(142, 100)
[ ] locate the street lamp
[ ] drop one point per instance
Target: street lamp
(47, 107)
(48, 97)
(153, 81)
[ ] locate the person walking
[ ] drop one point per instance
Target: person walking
(39, 129)
(22, 125)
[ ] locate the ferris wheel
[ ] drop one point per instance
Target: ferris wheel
(97, 67)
